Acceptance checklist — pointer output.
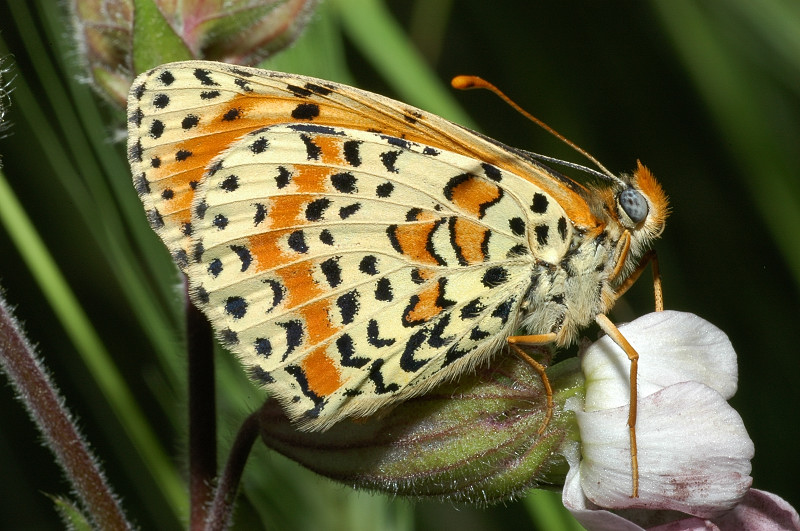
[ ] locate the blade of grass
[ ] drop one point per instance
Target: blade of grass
(88, 344)
(547, 511)
(74, 161)
(381, 40)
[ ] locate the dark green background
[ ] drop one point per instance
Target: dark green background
(704, 93)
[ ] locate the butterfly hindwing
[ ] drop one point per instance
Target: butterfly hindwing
(350, 269)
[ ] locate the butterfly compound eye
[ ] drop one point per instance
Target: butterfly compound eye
(633, 204)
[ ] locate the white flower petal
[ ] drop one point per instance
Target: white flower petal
(694, 453)
(673, 347)
(588, 514)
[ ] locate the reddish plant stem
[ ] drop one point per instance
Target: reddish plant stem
(46, 407)
(219, 515)
(202, 414)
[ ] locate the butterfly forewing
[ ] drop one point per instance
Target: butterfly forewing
(350, 269)
(182, 115)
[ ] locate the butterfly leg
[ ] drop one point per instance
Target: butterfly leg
(542, 339)
(650, 257)
(613, 332)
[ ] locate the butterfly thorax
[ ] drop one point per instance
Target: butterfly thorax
(566, 296)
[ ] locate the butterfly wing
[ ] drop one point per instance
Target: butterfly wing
(351, 269)
(182, 115)
(353, 251)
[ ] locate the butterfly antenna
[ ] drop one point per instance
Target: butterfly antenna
(475, 82)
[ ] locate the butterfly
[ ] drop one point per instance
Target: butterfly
(355, 251)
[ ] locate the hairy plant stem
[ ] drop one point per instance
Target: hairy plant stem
(46, 407)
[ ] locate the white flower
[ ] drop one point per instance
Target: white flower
(694, 452)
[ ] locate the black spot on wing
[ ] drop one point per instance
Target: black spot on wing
(383, 290)
(313, 151)
(397, 142)
(160, 101)
(305, 111)
(220, 221)
(315, 210)
(204, 77)
(332, 271)
(494, 276)
(542, 234)
(562, 228)
(263, 347)
(215, 267)
(326, 237)
(230, 183)
(316, 129)
(348, 306)
(278, 292)
(294, 335)
(244, 256)
(260, 215)
(389, 161)
(259, 145)
(166, 78)
(517, 226)
(157, 129)
(231, 115)
(236, 307)
(347, 211)
(368, 265)
(376, 375)
(297, 242)
(384, 190)
(283, 178)
(344, 182)
(407, 361)
(539, 204)
(492, 172)
(190, 121)
(347, 352)
(302, 381)
(472, 309)
(374, 335)
(352, 152)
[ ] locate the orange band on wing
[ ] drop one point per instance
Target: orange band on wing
(413, 241)
(286, 210)
(318, 323)
(310, 179)
(331, 149)
(299, 282)
(429, 303)
(472, 194)
(321, 372)
(265, 249)
(469, 238)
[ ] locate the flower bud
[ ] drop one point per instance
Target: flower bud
(119, 38)
(474, 440)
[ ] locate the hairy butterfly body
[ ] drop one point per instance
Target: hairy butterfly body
(354, 251)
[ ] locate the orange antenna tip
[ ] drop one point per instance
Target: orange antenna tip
(468, 82)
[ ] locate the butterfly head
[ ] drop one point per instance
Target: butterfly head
(641, 207)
